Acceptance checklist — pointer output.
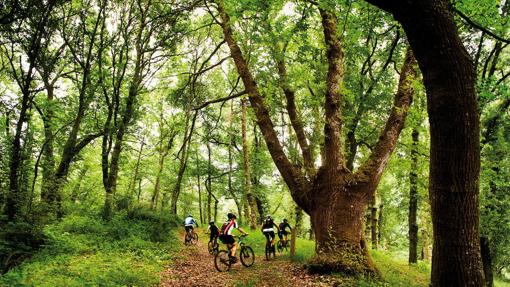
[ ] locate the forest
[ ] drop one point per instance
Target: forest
(378, 129)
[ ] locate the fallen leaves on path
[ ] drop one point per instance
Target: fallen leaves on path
(194, 266)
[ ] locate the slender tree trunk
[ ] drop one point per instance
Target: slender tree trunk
(230, 164)
(199, 185)
(208, 182)
(413, 200)
(251, 206)
(48, 164)
(77, 187)
(132, 182)
(15, 199)
(299, 220)
(380, 223)
(487, 261)
(111, 187)
(373, 223)
(183, 160)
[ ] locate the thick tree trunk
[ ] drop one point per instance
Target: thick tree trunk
(338, 226)
(449, 80)
(413, 200)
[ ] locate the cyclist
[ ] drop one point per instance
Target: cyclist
(283, 234)
(226, 235)
(214, 231)
(189, 221)
(268, 230)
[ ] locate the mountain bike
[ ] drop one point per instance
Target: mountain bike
(223, 261)
(213, 247)
(191, 238)
(270, 249)
(283, 245)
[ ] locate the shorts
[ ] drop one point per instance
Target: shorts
(188, 228)
(269, 233)
(213, 236)
(227, 239)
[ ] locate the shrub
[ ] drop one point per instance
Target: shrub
(18, 241)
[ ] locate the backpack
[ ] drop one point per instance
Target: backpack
(224, 227)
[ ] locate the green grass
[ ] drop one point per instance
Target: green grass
(82, 250)
(257, 241)
(395, 270)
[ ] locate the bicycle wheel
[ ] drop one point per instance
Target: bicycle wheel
(280, 246)
(222, 261)
(247, 256)
(194, 238)
(269, 251)
(210, 248)
(187, 239)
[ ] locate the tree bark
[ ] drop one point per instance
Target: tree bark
(413, 200)
(449, 80)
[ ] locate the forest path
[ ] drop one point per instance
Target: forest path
(194, 266)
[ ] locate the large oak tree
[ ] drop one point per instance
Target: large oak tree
(334, 196)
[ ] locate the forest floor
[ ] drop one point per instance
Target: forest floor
(194, 266)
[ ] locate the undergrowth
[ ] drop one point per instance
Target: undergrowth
(83, 250)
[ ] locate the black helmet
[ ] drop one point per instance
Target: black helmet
(211, 222)
(285, 220)
(230, 215)
(189, 215)
(268, 218)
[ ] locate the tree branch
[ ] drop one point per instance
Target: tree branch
(371, 171)
(293, 176)
(480, 27)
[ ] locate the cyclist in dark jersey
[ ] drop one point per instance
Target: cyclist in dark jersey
(214, 231)
(283, 234)
(268, 230)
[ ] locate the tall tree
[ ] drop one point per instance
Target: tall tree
(335, 197)
(449, 80)
(26, 36)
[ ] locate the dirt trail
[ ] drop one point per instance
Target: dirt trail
(194, 266)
